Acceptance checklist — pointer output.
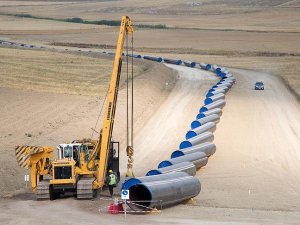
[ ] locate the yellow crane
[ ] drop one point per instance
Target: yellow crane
(82, 165)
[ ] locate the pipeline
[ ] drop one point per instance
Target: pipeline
(199, 159)
(204, 137)
(152, 58)
(163, 193)
(216, 111)
(187, 167)
(209, 94)
(209, 126)
(189, 64)
(205, 66)
(208, 148)
(173, 61)
(217, 104)
(134, 56)
(210, 118)
(214, 98)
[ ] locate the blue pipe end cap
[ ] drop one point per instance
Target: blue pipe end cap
(200, 115)
(164, 164)
(208, 67)
(209, 94)
(130, 182)
(207, 101)
(153, 172)
(185, 144)
(211, 90)
(203, 109)
(190, 134)
(159, 59)
(195, 124)
(176, 154)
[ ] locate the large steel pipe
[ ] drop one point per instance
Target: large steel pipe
(223, 88)
(216, 111)
(134, 56)
(163, 193)
(199, 122)
(210, 126)
(214, 98)
(208, 148)
(152, 58)
(189, 63)
(205, 66)
(209, 94)
(201, 138)
(173, 61)
(217, 104)
(222, 85)
(199, 159)
(137, 180)
(187, 167)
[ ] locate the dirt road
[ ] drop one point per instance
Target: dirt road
(252, 179)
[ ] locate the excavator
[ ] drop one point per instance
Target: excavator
(81, 166)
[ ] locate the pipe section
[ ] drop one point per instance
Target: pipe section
(201, 138)
(217, 104)
(135, 56)
(216, 111)
(199, 159)
(137, 180)
(214, 98)
(209, 94)
(152, 58)
(210, 126)
(173, 61)
(205, 66)
(187, 167)
(210, 118)
(208, 148)
(189, 63)
(163, 193)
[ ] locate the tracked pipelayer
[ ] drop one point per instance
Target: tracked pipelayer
(82, 165)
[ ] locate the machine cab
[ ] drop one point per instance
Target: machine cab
(71, 150)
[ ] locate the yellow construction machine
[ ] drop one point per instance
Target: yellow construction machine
(82, 165)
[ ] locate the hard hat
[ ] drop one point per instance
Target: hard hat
(110, 171)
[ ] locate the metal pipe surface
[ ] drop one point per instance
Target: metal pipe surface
(135, 56)
(208, 148)
(210, 118)
(189, 64)
(205, 66)
(187, 167)
(214, 98)
(198, 158)
(217, 104)
(163, 193)
(201, 138)
(217, 111)
(173, 61)
(209, 94)
(137, 180)
(152, 58)
(210, 126)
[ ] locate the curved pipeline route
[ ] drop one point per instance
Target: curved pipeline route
(193, 152)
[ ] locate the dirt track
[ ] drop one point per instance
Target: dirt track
(252, 178)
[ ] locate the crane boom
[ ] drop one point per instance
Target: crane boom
(110, 107)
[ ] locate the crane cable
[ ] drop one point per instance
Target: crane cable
(129, 149)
